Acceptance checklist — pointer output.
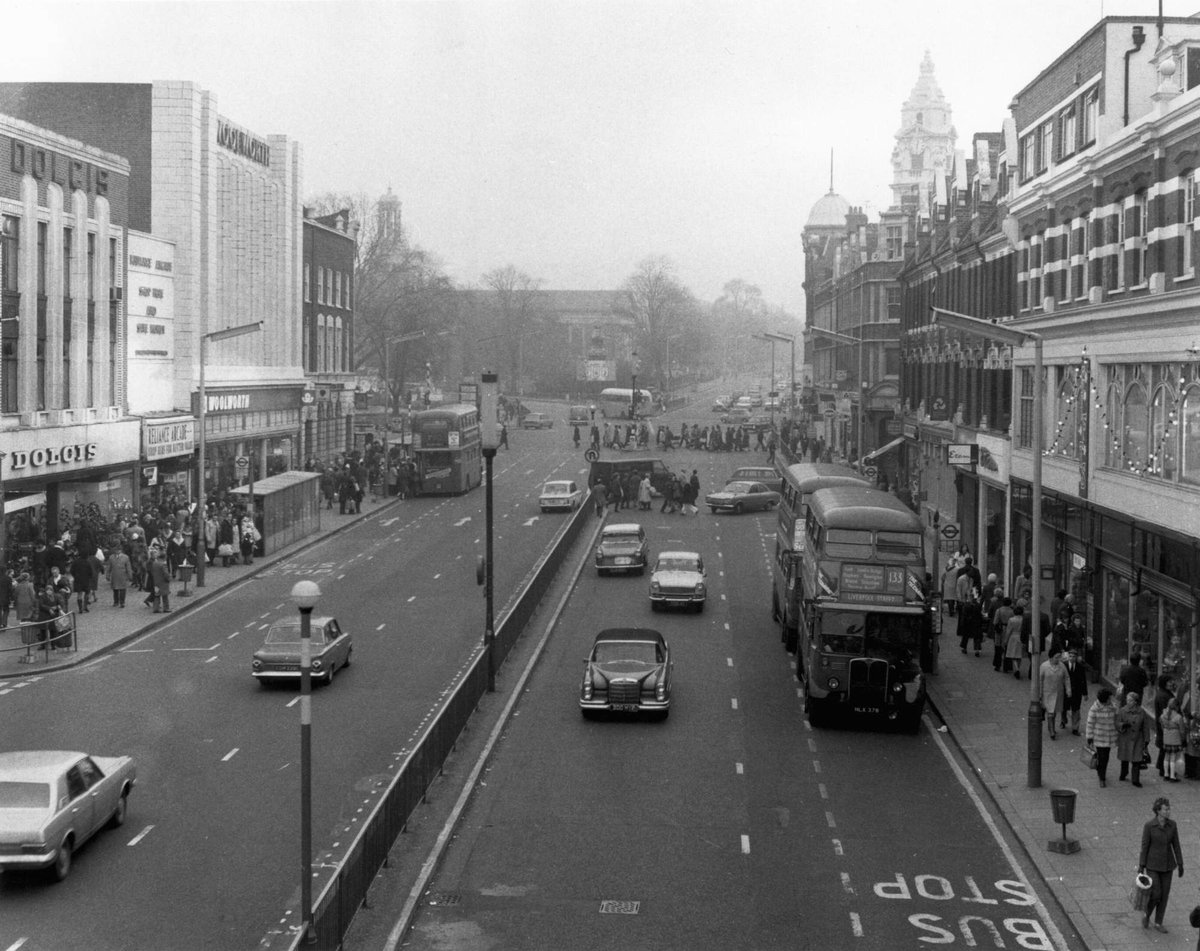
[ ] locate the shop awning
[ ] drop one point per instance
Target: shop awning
(882, 449)
(24, 502)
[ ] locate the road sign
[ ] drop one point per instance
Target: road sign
(871, 472)
(243, 465)
(950, 531)
(830, 413)
(591, 455)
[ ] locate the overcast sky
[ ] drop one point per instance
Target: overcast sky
(573, 139)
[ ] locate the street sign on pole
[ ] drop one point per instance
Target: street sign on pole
(243, 466)
(950, 532)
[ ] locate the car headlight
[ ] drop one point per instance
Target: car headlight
(655, 587)
(256, 664)
(316, 663)
(700, 588)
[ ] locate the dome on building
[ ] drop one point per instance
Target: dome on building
(829, 212)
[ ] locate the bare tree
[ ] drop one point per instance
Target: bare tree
(516, 299)
(661, 308)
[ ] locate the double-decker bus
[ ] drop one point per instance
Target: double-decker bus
(616, 403)
(800, 481)
(865, 630)
(447, 449)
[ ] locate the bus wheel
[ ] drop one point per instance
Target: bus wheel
(775, 607)
(815, 709)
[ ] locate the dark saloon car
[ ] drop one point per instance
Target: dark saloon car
(628, 670)
(767, 475)
(623, 548)
(279, 657)
(738, 497)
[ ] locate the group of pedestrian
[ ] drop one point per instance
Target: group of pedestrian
(621, 490)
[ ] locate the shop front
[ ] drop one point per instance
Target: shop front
(260, 425)
(57, 479)
(168, 461)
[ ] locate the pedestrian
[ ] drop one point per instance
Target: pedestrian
(645, 493)
(600, 497)
(162, 584)
(575, 435)
(616, 495)
(1023, 586)
(999, 628)
(96, 559)
(504, 435)
(119, 570)
(1077, 678)
(1162, 696)
(694, 482)
(225, 540)
(249, 538)
(1170, 727)
(970, 621)
(1132, 677)
(950, 588)
(593, 437)
(1100, 734)
(1053, 685)
(629, 492)
(48, 610)
(81, 578)
(7, 583)
(328, 486)
(668, 502)
(1014, 643)
(1160, 856)
(1133, 737)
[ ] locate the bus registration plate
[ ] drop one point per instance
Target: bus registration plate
(867, 710)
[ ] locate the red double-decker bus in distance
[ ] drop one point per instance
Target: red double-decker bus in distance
(447, 449)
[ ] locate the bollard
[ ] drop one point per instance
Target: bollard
(1062, 805)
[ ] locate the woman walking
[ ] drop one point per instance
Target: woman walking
(1055, 687)
(1100, 734)
(1170, 725)
(1133, 737)
(1160, 856)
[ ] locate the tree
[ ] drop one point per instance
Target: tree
(661, 308)
(516, 300)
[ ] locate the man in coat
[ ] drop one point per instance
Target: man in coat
(120, 572)
(162, 584)
(1077, 679)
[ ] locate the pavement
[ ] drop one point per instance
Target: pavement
(986, 714)
(105, 628)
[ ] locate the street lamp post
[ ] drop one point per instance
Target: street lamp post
(771, 340)
(201, 495)
(633, 402)
(489, 396)
(305, 595)
(789, 339)
(976, 327)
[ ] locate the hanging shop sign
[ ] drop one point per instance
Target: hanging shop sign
(963, 455)
(163, 439)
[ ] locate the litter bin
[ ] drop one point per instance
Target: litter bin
(185, 575)
(1062, 802)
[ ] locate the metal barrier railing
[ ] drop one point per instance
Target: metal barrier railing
(42, 637)
(339, 900)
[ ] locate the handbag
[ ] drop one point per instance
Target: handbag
(1139, 894)
(225, 549)
(1089, 757)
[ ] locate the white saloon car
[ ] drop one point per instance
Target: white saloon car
(560, 494)
(678, 578)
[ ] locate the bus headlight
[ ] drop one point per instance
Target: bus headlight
(833, 683)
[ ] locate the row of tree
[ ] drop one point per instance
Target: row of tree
(414, 327)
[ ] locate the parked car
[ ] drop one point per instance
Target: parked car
(738, 497)
(764, 474)
(53, 801)
(721, 403)
(560, 494)
(744, 402)
(678, 578)
(622, 548)
(735, 417)
(329, 647)
(536, 421)
(628, 670)
(758, 422)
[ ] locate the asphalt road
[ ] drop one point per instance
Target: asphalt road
(730, 825)
(208, 857)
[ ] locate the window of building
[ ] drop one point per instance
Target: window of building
(895, 242)
(91, 265)
(1066, 131)
(1036, 256)
(346, 284)
(320, 341)
(1189, 431)
(1026, 421)
(10, 235)
(1187, 217)
(1091, 116)
(1116, 236)
(1138, 226)
(1135, 427)
(339, 344)
(1028, 156)
(43, 232)
(1193, 67)
(1045, 145)
(306, 346)
(337, 288)
(67, 245)
(1066, 438)
(1162, 457)
(307, 287)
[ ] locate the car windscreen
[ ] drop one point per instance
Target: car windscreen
(737, 488)
(620, 539)
(633, 653)
(677, 564)
(14, 795)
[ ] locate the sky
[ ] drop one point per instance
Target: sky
(575, 139)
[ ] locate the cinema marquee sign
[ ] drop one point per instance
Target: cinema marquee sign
(243, 143)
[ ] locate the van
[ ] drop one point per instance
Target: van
(660, 475)
(579, 414)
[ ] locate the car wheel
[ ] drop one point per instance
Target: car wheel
(699, 607)
(587, 714)
(737, 508)
(790, 638)
(544, 511)
(662, 714)
(62, 861)
(713, 509)
(329, 674)
(346, 663)
(118, 816)
(655, 606)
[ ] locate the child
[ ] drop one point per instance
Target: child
(1172, 738)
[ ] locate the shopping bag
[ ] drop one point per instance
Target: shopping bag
(1139, 894)
(1180, 765)
(1089, 757)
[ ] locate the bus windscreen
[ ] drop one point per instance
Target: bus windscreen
(870, 633)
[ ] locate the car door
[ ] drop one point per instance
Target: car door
(82, 805)
(758, 497)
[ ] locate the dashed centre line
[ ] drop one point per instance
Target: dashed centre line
(230, 755)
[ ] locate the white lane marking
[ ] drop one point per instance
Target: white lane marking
(249, 624)
(745, 845)
(816, 766)
(137, 650)
(233, 635)
(727, 625)
(381, 627)
(340, 577)
(141, 835)
(261, 616)
(529, 521)
(211, 659)
(293, 702)
(829, 819)
(389, 521)
(438, 575)
(230, 755)
(20, 942)
(412, 599)
(213, 648)
(739, 768)
(1056, 936)
(846, 886)
(462, 521)
(733, 702)
(856, 925)
(812, 745)
(822, 790)
(837, 847)
(728, 661)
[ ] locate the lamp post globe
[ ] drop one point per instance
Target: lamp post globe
(305, 594)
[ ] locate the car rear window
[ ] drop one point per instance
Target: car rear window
(24, 795)
(624, 538)
(287, 634)
(739, 488)
(677, 564)
(558, 489)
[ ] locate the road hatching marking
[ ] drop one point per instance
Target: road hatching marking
(141, 835)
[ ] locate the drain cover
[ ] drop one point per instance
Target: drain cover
(444, 898)
(611, 906)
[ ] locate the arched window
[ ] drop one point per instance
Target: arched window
(1135, 428)
(1112, 432)
(1066, 437)
(1163, 437)
(1189, 433)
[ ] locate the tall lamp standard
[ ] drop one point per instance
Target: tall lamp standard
(633, 401)
(789, 339)
(771, 340)
(305, 595)
(489, 433)
(862, 386)
(976, 327)
(201, 496)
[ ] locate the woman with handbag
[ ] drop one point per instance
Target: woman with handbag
(1133, 737)
(1160, 856)
(1101, 731)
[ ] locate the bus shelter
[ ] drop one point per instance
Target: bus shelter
(286, 507)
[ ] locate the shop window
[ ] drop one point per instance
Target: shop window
(1189, 426)
(1135, 429)
(1116, 624)
(1144, 636)
(1162, 460)
(43, 230)
(66, 262)
(1066, 438)
(10, 239)
(1112, 442)
(91, 266)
